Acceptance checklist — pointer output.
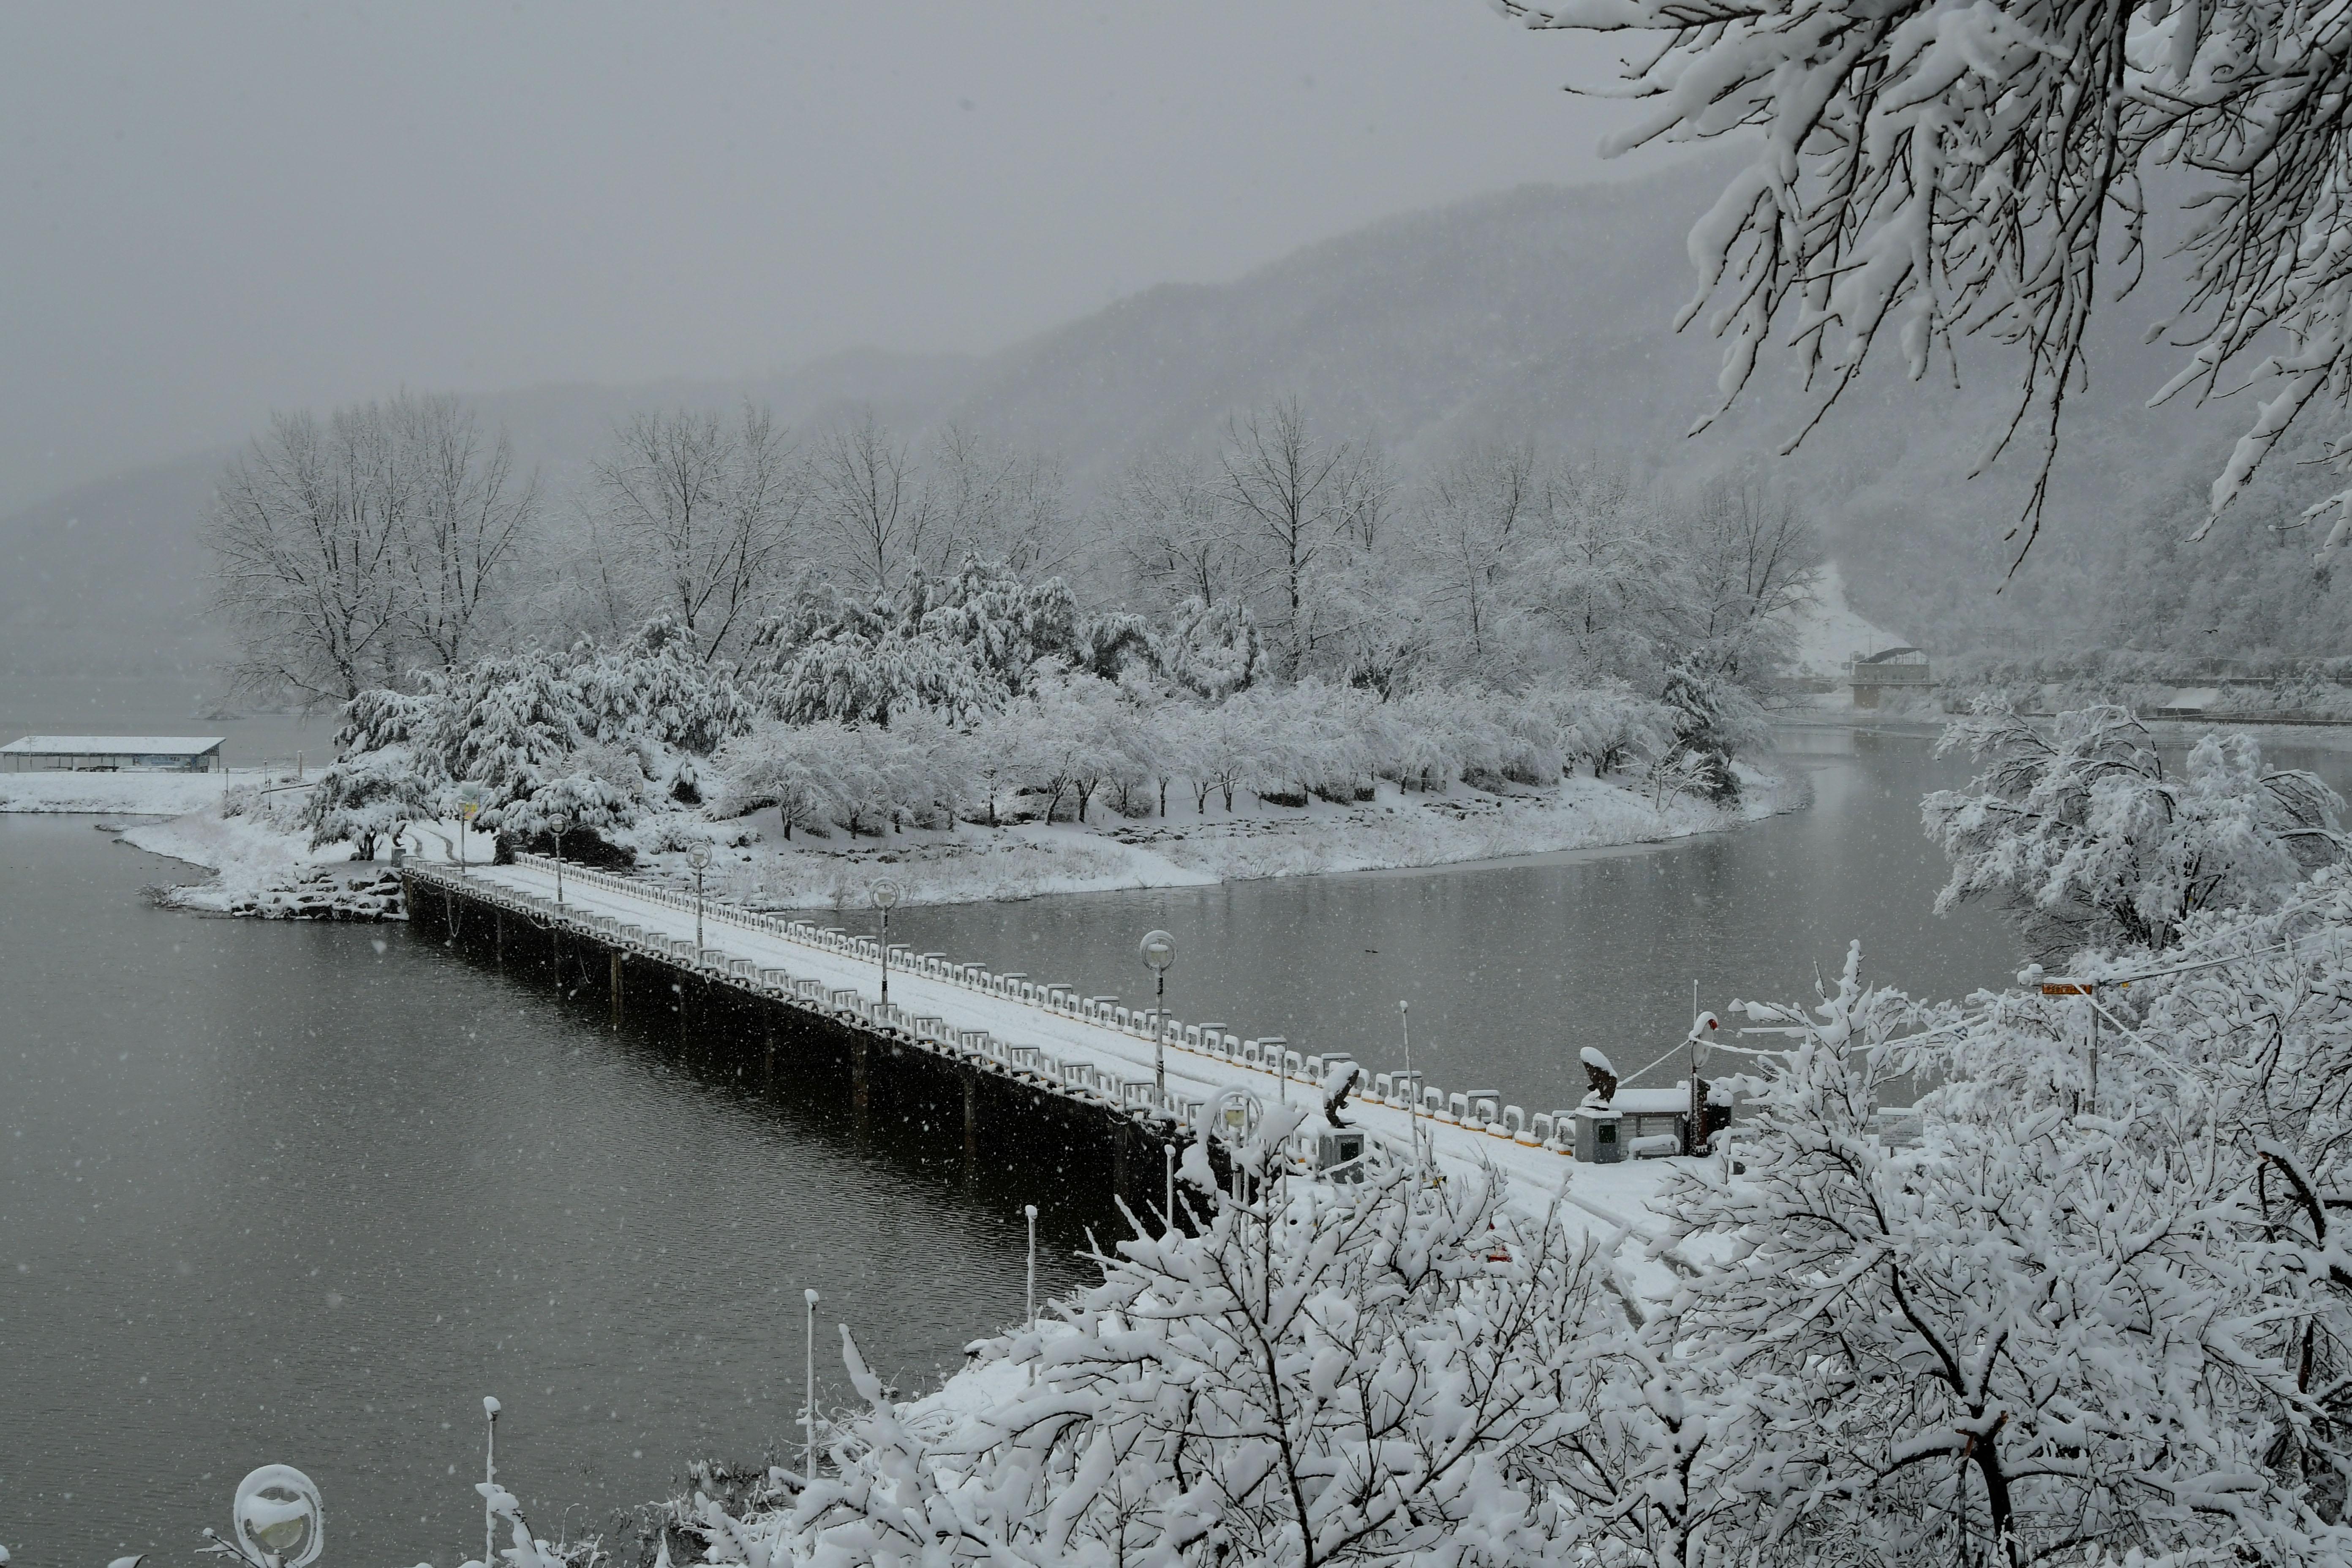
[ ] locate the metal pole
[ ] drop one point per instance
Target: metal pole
(1169, 1150)
(1159, 1048)
(559, 868)
(697, 912)
(489, 1476)
(1031, 1210)
(1411, 1085)
(2094, 1054)
(808, 1403)
(886, 957)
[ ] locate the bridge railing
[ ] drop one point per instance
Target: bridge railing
(1480, 1110)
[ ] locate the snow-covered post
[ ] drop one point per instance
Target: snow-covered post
(808, 1384)
(556, 823)
(700, 859)
(1030, 1308)
(1159, 952)
(885, 894)
(489, 1482)
(1413, 1084)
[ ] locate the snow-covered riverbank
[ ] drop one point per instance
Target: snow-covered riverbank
(122, 794)
(756, 865)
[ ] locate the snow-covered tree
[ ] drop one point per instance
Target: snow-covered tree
(348, 550)
(369, 797)
(510, 726)
(1920, 172)
(2037, 1337)
(962, 645)
(378, 784)
(793, 768)
(2094, 842)
(694, 516)
(1213, 650)
(1379, 1374)
(1077, 735)
(655, 695)
(1713, 717)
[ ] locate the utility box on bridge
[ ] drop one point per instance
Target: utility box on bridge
(1596, 1134)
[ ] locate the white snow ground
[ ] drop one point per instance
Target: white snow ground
(968, 864)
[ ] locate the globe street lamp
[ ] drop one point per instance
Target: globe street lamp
(276, 1521)
(700, 859)
(1159, 951)
(885, 894)
(556, 825)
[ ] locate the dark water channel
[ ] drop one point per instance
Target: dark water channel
(306, 1194)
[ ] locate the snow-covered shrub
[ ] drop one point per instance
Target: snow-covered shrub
(2093, 842)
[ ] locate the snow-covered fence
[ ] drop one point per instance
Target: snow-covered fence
(1475, 1110)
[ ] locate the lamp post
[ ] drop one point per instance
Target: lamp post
(808, 1410)
(1030, 1300)
(1159, 951)
(469, 805)
(885, 894)
(700, 859)
(556, 825)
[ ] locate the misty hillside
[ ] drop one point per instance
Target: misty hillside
(1541, 312)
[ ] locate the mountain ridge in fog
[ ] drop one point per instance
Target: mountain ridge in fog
(1542, 311)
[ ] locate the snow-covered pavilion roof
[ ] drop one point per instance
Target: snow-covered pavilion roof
(113, 745)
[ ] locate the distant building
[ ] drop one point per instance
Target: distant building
(1869, 674)
(112, 753)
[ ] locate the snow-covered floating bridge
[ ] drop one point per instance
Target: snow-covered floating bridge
(1015, 1043)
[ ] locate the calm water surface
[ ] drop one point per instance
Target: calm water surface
(305, 1194)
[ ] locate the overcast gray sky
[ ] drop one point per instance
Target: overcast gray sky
(209, 211)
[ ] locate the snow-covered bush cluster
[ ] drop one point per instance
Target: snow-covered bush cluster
(975, 697)
(589, 737)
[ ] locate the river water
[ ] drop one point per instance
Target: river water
(304, 1195)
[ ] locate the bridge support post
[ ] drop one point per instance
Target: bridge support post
(498, 937)
(767, 1046)
(970, 1124)
(616, 987)
(858, 1101)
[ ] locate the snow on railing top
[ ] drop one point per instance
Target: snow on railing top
(1480, 1110)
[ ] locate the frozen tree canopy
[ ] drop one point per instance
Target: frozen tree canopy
(1928, 171)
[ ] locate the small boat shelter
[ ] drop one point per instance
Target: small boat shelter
(112, 754)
